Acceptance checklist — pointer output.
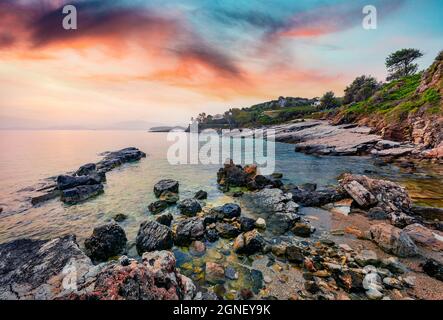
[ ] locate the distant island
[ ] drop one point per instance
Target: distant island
(166, 129)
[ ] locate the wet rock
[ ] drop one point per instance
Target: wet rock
(246, 224)
(260, 223)
(424, 236)
(211, 235)
(281, 222)
(164, 219)
(119, 217)
(277, 175)
(158, 206)
(188, 230)
(86, 169)
(48, 259)
(165, 185)
(387, 195)
(232, 175)
(301, 229)
(428, 213)
(201, 195)
(261, 182)
(367, 257)
(214, 272)
(393, 240)
(377, 213)
(189, 207)
(106, 241)
(153, 236)
(360, 194)
(273, 200)
(46, 196)
(295, 254)
(227, 230)
(154, 279)
(248, 243)
(81, 193)
(65, 182)
(310, 197)
(169, 197)
(114, 159)
(433, 268)
(238, 194)
(231, 273)
(227, 211)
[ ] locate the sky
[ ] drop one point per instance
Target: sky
(161, 62)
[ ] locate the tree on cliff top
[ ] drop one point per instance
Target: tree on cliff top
(360, 89)
(400, 63)
(329, 101)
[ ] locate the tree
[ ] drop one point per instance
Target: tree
(360, 89)
(329, 101)
(400, 63)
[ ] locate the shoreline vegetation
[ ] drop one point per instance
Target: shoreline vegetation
(377, 244)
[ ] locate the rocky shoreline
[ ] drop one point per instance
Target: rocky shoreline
(87, 181)
(280, 247)
(320, 137)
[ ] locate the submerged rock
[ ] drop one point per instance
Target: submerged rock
(106, 241)
(153, 236)
(393, 240)
(169, 197)
(246, 224)
(165, 185)
(119, 217)
(302, 229)
(214, 272)
(189, 207)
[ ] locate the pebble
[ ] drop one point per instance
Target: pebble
(369, 269)
(260, 223)
(409, 281)
(231, 274)
(372, 281)
(345, 247)
(267, 279)
(374, 294)
(392, 283)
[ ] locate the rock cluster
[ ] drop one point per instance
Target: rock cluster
(87, 181)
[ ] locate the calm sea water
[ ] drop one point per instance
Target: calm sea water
(27, 157)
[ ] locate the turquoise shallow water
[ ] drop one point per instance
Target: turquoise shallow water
(29, 156)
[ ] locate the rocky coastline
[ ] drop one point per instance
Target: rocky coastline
(390, 250)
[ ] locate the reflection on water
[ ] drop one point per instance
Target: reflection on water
(28, 156)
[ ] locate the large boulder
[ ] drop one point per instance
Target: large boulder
(248, 243)
(189, 207)
(425, 237)
(153, 236)
(165, 185)
(67, 182)
(188, 230)
(232, 175)
(41, 269)
(226, 211)
(81, 193)
(106, 241)
(393, 240)
(155, 278)
(369, 192)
